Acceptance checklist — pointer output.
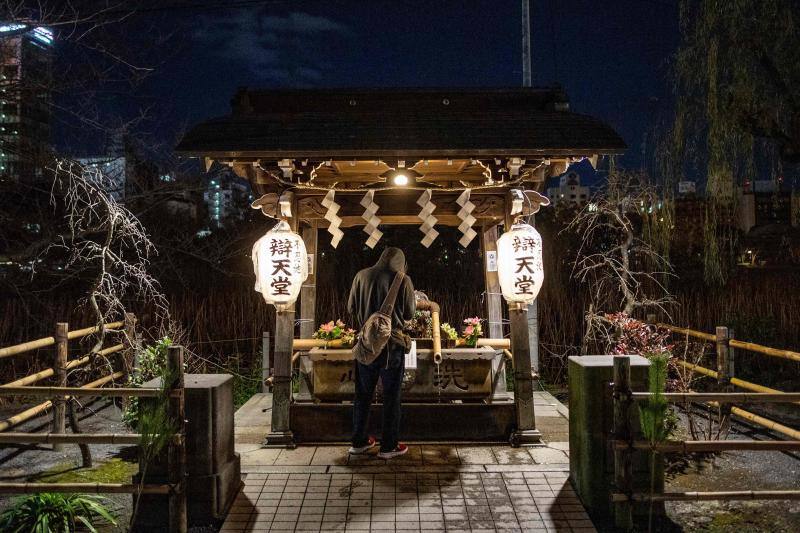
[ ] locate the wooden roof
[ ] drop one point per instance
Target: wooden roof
(384, 123)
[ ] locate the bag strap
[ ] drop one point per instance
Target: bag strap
(388, 302)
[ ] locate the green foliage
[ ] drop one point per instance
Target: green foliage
(653, 413)
(154, 423)
(152, 361)
(737, 86)
(449, 331)
(57, 513)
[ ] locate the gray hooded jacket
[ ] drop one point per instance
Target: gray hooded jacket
(371, 285)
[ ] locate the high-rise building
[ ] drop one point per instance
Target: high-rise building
(227, 198)
(25, 76)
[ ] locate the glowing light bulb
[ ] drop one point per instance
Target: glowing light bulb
(401, 180)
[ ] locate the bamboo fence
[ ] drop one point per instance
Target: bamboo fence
(624, 445)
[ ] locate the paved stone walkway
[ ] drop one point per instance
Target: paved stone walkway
(408, 501)
(435, 487)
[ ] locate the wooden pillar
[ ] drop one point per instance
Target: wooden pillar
(724, 372)
(60, 369)
(533, 326)
(525, 432)
(308, 294)
(280, 434)
(130, 344)
(177, 450)
(308, 320)
(494, 308)
(623, 459)
(533, 336)
(265, 366)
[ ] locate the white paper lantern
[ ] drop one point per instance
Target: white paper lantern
(519, 264)
(281, 265)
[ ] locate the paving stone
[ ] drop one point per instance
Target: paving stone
(478, 455)
(259, 456)
(299, 456)
(549, 456)
(511, 456)
(435, 455)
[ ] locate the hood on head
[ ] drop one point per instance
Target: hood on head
(394, 258)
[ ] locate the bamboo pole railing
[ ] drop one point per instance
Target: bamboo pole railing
(36, 410)
(16, 349)
(773, 352)
(176, 452)
(6, 390)
(723, 397)
(70, 438)
(697, 446)
(726, 495)
(726, 379)
(75, 363)
(766, 422)
(624, 445)
(734, 343)
(96, 488)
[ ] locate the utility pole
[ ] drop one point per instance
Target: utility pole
(526, 43)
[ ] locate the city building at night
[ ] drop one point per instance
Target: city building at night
(25, 114)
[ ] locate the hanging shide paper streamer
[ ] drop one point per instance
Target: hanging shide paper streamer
(467, 220)
(333, 218)
(280, 262)
(427, 218)
(519, 264)
(371, 229)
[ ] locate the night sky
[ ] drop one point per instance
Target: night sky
(612, 57)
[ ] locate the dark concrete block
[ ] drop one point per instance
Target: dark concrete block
(591, 417)
(213, 467)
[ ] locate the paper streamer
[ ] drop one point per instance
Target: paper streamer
(467, 220)
(333, 218)
(427, 218)
(371, 229)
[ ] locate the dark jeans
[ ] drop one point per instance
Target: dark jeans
(366, 380)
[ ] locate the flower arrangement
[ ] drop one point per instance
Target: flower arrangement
(472, 331)
(335, 330)
(449, 331)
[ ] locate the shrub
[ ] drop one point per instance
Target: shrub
(57, 513)
(150, 364)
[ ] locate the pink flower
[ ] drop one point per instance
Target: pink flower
(327, 328)
(340, 323)
(469, 330)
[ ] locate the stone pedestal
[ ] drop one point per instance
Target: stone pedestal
(591, 416)
(212, 465)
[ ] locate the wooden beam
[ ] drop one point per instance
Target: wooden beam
(400, 208)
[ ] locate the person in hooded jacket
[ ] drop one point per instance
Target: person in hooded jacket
(369, 289)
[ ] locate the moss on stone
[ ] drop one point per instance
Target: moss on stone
(111, 471)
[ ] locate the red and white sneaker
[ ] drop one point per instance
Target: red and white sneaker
(397, 452)
(371, 442)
